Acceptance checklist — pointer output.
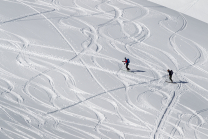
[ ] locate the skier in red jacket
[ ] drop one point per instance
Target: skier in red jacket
(127, 61)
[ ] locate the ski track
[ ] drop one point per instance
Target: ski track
(52, 120)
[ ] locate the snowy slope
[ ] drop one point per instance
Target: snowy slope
(194, 8)
(62, 75)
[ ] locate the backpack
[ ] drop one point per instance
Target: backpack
(171, 72)
(128, 61)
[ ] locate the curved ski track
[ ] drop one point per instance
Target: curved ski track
(86, 93)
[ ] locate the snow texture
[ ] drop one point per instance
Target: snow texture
(194, 8)
(62, 75)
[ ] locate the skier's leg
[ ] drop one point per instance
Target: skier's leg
(127, 66)
(171, 78)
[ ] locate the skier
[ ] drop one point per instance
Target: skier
(127, 61)
(170, 74)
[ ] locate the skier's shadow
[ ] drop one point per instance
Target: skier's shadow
(181, 82)
(137, 71)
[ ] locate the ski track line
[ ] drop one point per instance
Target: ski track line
(88, 53)
(90, 73)
(120, 134)
(23, 116)
(199, 124)
(131, 105)
(19, 98)
(89, 68)
(149, 64)
(133, 54)
(12, 20)
(39, 45)
(50, 80)
(140, 40)
(52, 91)
(190, 5)
(145, 35)
(63, 131)
(203, 97)
(82, 8)
(195, 84)
(141, 98)
(192, 125)
(153, 57)
(67, 75)
(16, 129)
(108, 123)
(165, 114)
(174, 45)
(195, 113)
(128, 100)
(82, 131)
(172, 42)
(86, 5)
(156, 132)
(119, 12)
(26, 43)
(176, 128)
(88, 99)
(110, 128)
(172, 59)
(203, 51)
(21, 109)
(115, 18)
(145, 10)
(54, 27)
(129, 54)
(99, 83)
(16, 126)
(154, 90)
(11, 132)
(70, 62)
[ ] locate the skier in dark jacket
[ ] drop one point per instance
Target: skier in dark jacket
(170, 74)
(127, 61)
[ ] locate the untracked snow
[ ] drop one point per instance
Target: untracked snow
(62, 75)
(194, 8)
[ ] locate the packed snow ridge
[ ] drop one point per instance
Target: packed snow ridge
(62, 75)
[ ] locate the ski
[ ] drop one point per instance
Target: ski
(171, 82)
(128, 71)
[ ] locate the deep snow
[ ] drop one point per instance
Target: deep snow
(194, 8)
(62, 75)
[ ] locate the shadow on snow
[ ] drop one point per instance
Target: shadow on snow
(136, 71)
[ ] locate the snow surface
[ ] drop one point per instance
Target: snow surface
(62, 75)
(194, 8)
